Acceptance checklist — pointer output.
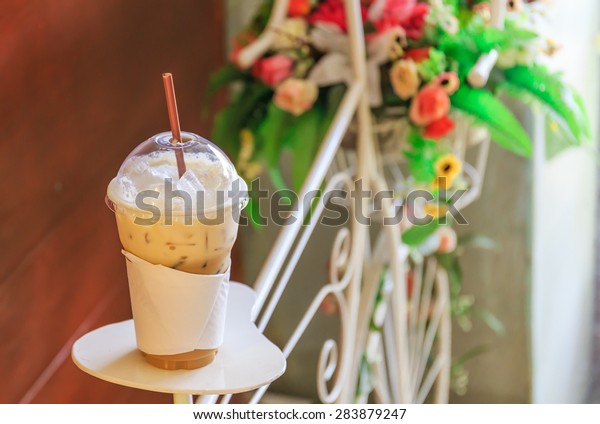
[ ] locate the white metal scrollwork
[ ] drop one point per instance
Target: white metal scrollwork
(394, 311)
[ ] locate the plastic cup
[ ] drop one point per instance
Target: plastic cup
(188, 224)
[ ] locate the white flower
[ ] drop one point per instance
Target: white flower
(335, 67)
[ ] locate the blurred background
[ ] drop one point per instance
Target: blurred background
(80, 88)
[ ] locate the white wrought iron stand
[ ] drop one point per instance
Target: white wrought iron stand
(414, 351)
(411, 354)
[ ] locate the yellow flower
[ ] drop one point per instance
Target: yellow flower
(442, 183)
(435, 211)
(246, 146)
(252, 170)
(405, 79)
(448, 166)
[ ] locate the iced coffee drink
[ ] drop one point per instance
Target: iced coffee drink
(188, 223)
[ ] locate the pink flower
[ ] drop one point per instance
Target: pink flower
(401, 9)
(448, 240)
(332, 11)
(296, 96)
(447, 81)
(438, 129)
(429, 105)
(392, 14)
(415, 23)
(272, 70)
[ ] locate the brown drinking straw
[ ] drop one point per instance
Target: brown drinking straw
(174, 120)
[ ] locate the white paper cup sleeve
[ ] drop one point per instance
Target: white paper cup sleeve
(174, 311)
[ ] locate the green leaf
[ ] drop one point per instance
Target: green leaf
(224, 134)
(587, 125)
(562, 131)
(224, 76)
(490, 319)
(230, 121)
(253, 212)
(466, 357)
(421, 157)
(504, 127)
(277, 179)
(271, 131)
(417, 234)
(334, 97)
(433, 66)
(307, 131)
(552, 92)
(305, 140)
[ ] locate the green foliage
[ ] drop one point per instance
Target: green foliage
(462, 306)
(490, 320)
(305, 141)
(558, 98)
(421, 157)
(417, 234)
(231, 120)
(261, 19)
(271, 132)
(476, 38)
(224, 76)
(504, 127)
(432, 67)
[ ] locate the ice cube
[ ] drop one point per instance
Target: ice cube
(189, 183)
(163, 171)
(128, 189)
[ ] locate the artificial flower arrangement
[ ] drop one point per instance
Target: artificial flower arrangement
(419, 55)
(419, 58)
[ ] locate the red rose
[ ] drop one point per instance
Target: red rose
(272, 70)
(332, 11)
(429, 105)
(417, 55)
(415, 24)
(438, 129)
(298, 8)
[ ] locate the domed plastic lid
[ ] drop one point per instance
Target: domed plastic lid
(150, 175)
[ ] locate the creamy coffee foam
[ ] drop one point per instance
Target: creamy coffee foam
(205, 174)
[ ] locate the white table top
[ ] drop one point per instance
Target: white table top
(246, 360)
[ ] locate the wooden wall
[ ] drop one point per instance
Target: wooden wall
(80, 86)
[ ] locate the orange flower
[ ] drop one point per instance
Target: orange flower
(448, 240)
(299, 8)
(429, 105)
